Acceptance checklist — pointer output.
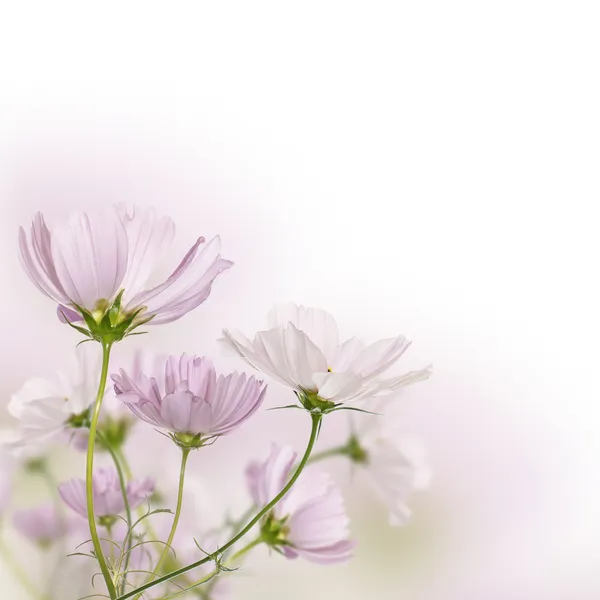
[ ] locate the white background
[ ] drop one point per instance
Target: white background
(423, 167)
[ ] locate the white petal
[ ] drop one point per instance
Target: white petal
(337, 387)
(346, 354)
(380, 356)
(149, 237)
(317, 324)
(393, 383)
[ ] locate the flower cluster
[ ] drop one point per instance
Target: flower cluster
(100, 270)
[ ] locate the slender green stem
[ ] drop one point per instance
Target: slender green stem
(21, 574)
(245, 549)
(316, 421)
(324, 454)
(185, 452)
(210, 578)
(129, 476)
(122, 482)
(89, 473)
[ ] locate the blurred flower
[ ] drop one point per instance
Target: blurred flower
(86, 261)
(184, 396)
(393, 461)
(302, 350)
(6, 476)
(310, 521)
(42, 524)
(49, 408)
(108, 498)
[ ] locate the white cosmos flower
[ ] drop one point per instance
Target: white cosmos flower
(45, 408)
(393, 461)
(302, 350)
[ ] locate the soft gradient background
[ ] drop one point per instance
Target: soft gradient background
(425, 167)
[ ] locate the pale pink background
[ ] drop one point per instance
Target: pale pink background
(427, 168)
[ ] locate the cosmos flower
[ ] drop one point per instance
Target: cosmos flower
(302, 350)
(310, 521)
(48, 409)
(392, 461)
(108, 498)
(185, 396)
(87, 261)
(42, 524)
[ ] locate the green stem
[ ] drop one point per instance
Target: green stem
(129, 476)
(335, 451)
(20, 574)
(210, 578)
(245, 549)
(185, 452)
(89, 473)
(316, 421)
(122, 482)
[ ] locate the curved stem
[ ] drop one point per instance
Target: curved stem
(316, 421)
(129, 476)
(335, 451)
(184, 457)
(89, 472)
(245, 549)
(122, 482)
(185, 452)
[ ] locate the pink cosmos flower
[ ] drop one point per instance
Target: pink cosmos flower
(302, 350)
(42, 524)
(310, 521)
(184, 395)
(90, 258)
(108, 498)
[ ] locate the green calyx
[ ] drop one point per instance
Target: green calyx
(113, 432)
(354, 451)
(191, 441)
(274, 532)
(314, 403)
(107, 521)
(108, 323)
(36, 465)
(80, 420)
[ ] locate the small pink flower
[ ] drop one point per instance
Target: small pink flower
(108, 498)
(42, 524)
(184, 395)
(310, 521)
(90, 258)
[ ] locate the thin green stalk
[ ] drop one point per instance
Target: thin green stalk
(21, 574)
(316, 421)
(245, 550)
(129, 476)
(324, 454)
(185, 452)
(89, 473)
(123, 484)
(210, 578)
